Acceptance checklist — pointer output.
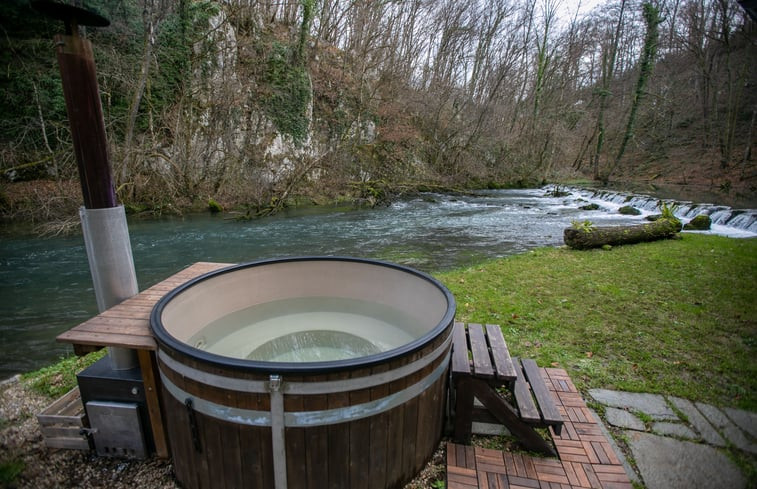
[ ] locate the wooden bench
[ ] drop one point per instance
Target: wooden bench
(481, 366)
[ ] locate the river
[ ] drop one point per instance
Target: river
(46, 288)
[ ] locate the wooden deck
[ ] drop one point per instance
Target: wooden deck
(127, 325)
(585, 457)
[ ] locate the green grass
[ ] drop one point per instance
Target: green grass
(669, 317)
(59, 378)
(10, 470)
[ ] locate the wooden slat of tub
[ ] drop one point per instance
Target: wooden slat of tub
(296, 462)
(410, 438)
(316, 441)
(378, 443)
(249, 443)
(252, 458)
(359, 430)
(227, 441)
(127, 324)
(426, 426)
(395, 432)
(181, 441)
(206, 427)
(339, 440)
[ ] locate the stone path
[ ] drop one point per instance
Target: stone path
(675, 443)
(680, 444)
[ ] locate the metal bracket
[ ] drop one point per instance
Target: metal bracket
(274, 383)
(88, 432)
(193, 424)
(278, 442)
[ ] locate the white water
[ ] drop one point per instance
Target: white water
(734, 223)
(312, 329)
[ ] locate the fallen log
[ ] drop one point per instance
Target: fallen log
(586, 237)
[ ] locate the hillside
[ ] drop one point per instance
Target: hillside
(258, 105)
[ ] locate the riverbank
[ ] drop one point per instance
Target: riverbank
(670, 317)
(677, 318)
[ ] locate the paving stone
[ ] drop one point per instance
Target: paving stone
(666, 463)
(729, 430)
(698, 421)
(623, 419)
(746, 420)
(674, 429)
(651, 404)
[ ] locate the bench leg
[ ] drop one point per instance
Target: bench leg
(508, 417)
(463, 401)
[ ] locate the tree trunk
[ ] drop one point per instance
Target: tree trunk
(595, 237)
(646, 66)
(608, 69)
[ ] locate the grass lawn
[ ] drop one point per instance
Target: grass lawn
(674, 317)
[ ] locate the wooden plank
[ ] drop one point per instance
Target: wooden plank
(128, 312)
(378, 438)
(409, 445)
(360, 433)
(294, 438)
(104, 321)
(127, 327)
(549, 412)
(482, 364)
(460, 363)
(108, 339)
(507, 416)
(60, 431)
(81, 350)
(526, 407)
(52, 420)
(231, 455)
(503, 364)
(338, 440)
(463, 408)
(316, 440)
(63, 403)
(74, 408)
(395, 428)
(150, 377)
(68, 443)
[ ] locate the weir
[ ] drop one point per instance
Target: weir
(744, 220)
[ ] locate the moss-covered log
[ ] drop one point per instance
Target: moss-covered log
(587, 237)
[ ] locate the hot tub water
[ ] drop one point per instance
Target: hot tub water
(308, 329)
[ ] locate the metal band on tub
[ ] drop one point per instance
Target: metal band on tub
(303, 388)
(305, 418)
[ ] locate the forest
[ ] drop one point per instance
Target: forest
(258, 105)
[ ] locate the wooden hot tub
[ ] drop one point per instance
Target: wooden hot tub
(278, 403)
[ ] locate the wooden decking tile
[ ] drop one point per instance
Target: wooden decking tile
(461, 478)
(585, 457)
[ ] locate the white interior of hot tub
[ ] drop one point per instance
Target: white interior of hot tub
(363, 308)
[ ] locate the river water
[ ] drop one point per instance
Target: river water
(46, 288)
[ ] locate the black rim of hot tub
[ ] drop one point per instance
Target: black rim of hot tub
(165, 339)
